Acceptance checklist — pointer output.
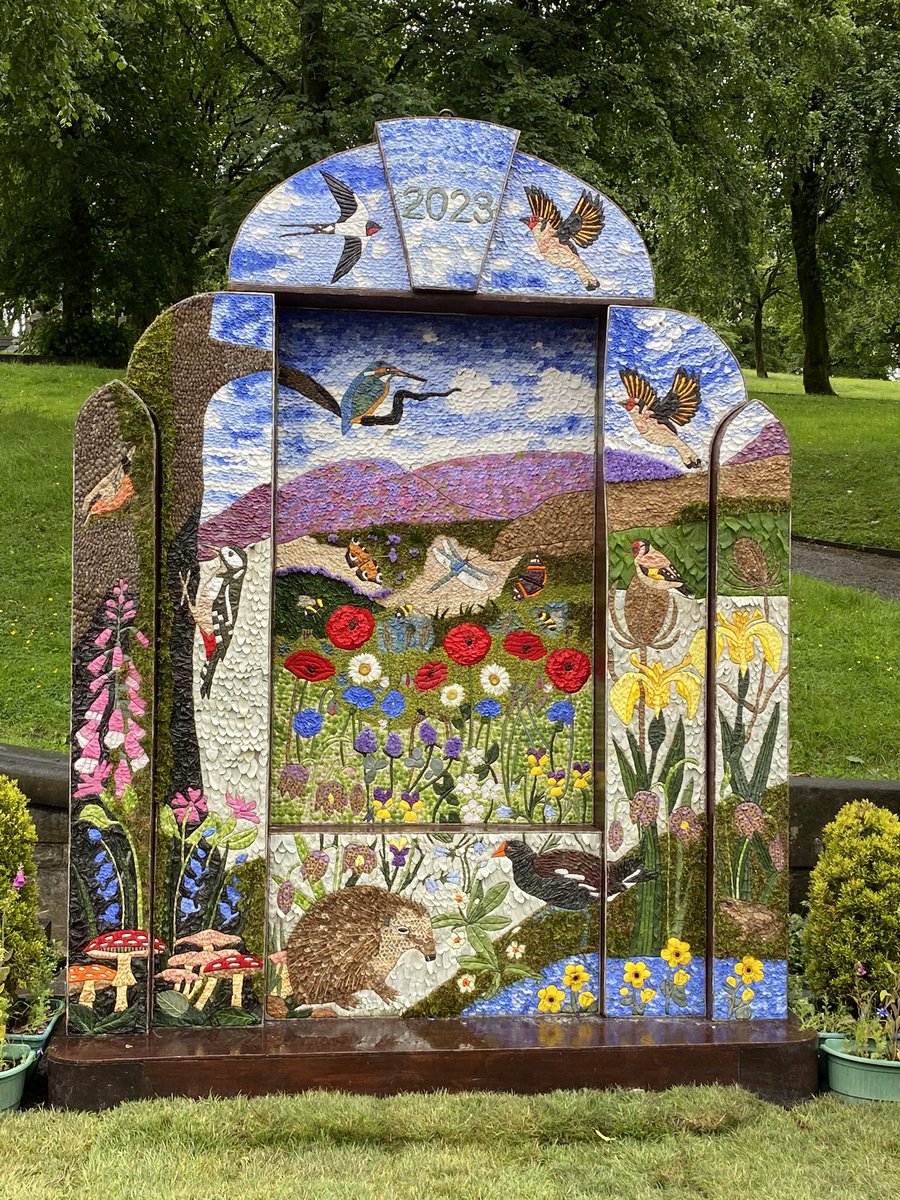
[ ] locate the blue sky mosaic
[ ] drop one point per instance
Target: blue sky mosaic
(243, 318)
(267, 252)
(656, 342)
(237, 441)
(444, 161)
(525, 384)
(618, 258)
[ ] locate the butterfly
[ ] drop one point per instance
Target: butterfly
(532, 581)
(362, 562)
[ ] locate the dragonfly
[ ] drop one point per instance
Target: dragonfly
(450, 557)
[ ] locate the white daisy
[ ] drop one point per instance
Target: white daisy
(453, 695)
(364, 668)
(494, 679)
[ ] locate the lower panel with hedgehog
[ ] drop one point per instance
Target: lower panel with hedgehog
(381, 923)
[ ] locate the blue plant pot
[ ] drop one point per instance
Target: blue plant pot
(16, 1061)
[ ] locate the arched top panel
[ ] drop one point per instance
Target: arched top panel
(441, 204)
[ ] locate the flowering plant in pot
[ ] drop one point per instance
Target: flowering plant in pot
(865, 1065)
(14, 1059)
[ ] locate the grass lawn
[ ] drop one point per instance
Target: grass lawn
(845, 643)
(718, 1143)
(846, 456)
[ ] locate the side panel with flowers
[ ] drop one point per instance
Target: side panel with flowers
(113, 635)
(206, 369)
(751, 691)
(668, 382)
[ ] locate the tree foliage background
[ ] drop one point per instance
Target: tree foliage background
(756, 145)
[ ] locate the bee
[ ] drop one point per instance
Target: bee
(532, 581)
(362, 562)
(553, 618)
(309, 604)
(404, 610)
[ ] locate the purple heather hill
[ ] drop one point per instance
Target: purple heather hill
(770, 440)
(624, 466)
(351, 495)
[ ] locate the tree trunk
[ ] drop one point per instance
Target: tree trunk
(804, 235)
(758, 350)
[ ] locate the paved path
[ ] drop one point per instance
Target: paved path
(868, 570)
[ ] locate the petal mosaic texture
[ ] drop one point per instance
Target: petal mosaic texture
(423, 687)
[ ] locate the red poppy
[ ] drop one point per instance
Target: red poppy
(349, 627)
(309, 666)
(430, 675)
(524, 645)
(568, 669)
(467, 644)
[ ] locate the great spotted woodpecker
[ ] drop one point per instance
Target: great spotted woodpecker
(215, 610)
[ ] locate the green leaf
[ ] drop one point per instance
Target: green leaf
(521, 973)
(235, 1016)
(493, 753)
(167, 823)
(239, 841)
(482, 944)
(763, 765)
(447, 921)
(173, 1004)
(672, 772)
(302, 847)
(493, 922)
(469, 962)
(494, 896)
(642, 775)
(95, 815)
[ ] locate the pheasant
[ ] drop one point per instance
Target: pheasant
(556, 239)
(655, 417)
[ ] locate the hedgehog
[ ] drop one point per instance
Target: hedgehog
(350, 941)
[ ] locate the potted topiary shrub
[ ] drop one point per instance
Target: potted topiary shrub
(23, 944)
(851, 935)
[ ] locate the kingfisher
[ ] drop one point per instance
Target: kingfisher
(558, 240)
(353, 224)
(364, 396)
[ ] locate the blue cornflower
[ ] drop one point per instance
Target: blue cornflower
(392, 703)
(366, 742)
(562, 711)
(307, 723)
(489, 708)
(428, 734)
(359, 697)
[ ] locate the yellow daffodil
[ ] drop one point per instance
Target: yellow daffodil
(749, 969)
(656, 683)
(586, 999)
(636, 973)
(676, 953)
(741, 635)
(647, 995)
(680, 978)
(575, 977)
(747, 995)
(550, 999)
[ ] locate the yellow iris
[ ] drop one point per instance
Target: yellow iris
(749, 969)
(656, 683)
(743, 633)
(676, 953)
(636, 973)
(550, 999)
(575, 977)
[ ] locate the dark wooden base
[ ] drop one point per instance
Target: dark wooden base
(382, 1057)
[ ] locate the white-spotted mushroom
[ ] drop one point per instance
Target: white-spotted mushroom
(86, 979)
(123, 945)
(231, 966)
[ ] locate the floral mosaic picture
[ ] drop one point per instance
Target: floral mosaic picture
(433, 616)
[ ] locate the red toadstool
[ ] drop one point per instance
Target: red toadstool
(123, 945)
(87, 979)
(231, 966)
